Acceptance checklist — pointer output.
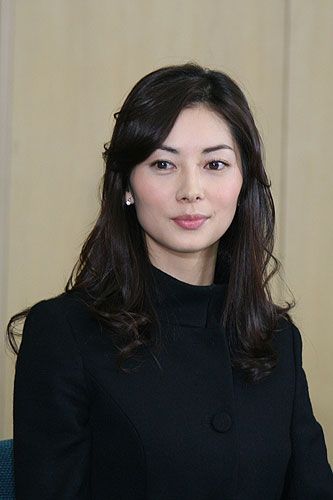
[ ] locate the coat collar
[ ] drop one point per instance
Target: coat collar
(185, 304)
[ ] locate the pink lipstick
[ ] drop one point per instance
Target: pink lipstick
(190, 222)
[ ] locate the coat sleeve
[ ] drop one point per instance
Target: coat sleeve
(51, 410)
(309, 475)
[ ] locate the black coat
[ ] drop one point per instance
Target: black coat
(192, 430)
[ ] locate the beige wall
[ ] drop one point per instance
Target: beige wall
(308, 194)
(74, 62)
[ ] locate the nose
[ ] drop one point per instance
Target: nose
(190, 187)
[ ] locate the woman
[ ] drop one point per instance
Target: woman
(165, 370)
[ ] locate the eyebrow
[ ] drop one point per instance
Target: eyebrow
(204, 151)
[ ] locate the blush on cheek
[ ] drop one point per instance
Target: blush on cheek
(229, 195)
(155, 200)
(228, 202)
(151, 196)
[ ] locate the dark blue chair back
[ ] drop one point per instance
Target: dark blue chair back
(7, 491)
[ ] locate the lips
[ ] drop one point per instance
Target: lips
(190, 221)
(191, 217)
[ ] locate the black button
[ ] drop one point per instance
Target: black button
(221, 421)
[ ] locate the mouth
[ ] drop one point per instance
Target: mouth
(191, 217)
(190, 223)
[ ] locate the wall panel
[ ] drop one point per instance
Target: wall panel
(308, 200)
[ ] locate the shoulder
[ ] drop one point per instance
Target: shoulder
(286, 327)
(288, 340)
(64, 313)
(63, 303)
(67, 305)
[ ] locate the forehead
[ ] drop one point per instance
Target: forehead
(199, 125)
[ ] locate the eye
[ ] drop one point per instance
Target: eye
(218, 163)
(161, 164)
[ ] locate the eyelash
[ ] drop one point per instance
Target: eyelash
(225, 164)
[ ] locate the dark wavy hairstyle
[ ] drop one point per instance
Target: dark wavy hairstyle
(113, 267)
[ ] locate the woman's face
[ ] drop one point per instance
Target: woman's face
(197, 170)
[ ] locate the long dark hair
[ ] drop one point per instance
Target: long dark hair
(111, 272)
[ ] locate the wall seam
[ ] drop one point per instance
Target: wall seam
(285, 136)
(6, 84)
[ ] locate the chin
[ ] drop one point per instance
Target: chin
(187, 246)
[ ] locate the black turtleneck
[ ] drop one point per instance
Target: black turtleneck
(186, 304)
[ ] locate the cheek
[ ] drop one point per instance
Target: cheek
(150, 201)
(150, 204)
(147, 191)
(227, 196)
